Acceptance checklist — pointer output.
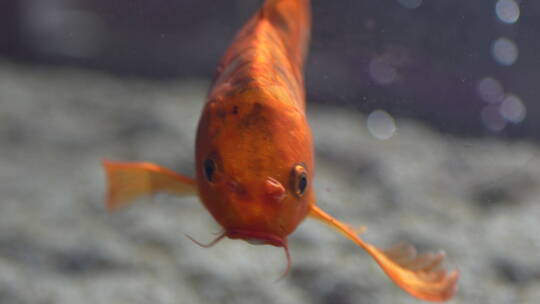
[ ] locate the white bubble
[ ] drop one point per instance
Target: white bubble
(507, 11)
(410, 3)
(381, 72)
(512, 109)
(381, 125)
(505, 51)
(490, 90)
(492, 119)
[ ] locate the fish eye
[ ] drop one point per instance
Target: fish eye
(299, 179)
(209, 167)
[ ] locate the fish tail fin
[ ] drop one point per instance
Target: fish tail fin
(419, 275)
(292, 20)
(127, 181)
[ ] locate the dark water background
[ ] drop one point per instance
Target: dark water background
(421, 59)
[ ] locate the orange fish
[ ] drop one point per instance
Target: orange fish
(254, 152)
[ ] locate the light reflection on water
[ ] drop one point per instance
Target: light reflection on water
(502, 107)
(381, 71)
(513, 109)
(492, 118)
(504, 51)
(381, 125)
(507, 11)
(490, 90)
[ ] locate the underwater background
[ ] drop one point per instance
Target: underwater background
(425, 116)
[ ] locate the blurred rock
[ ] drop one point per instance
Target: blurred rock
(516, 273)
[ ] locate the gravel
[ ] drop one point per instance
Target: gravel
(476, 198)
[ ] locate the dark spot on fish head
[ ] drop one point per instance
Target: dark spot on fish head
(221, 113)
(235, 110)
(280, 21)
(253, 117)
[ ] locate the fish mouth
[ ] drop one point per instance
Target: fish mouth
(256, 237)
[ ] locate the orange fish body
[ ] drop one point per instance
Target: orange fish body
(253, 129)
(254, 152)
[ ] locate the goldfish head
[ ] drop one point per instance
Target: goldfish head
(254, 168)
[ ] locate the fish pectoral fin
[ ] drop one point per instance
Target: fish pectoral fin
(420, 275)
(127, 181)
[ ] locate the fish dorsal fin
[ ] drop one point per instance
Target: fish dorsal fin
(128, 181)
(292, 20)
(419, 275)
